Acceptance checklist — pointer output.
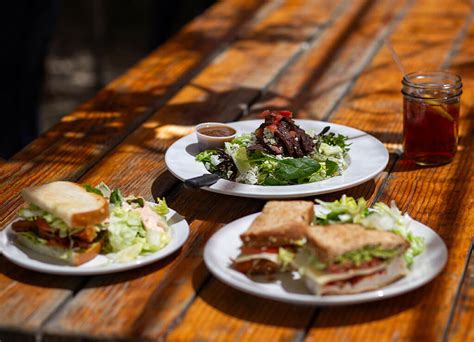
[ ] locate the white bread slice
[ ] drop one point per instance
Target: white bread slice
(279, 223)
(69, 202)
(70, 257)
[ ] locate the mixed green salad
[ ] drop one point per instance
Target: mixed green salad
(380, 216)
(279, 153)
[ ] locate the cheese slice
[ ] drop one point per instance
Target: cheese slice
(273, 257)
(324, 278)
(392, 271)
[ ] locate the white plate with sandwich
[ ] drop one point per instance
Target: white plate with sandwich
(366, 158)
(275, 255)
(64, 229)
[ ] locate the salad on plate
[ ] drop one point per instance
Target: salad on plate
(279, 152)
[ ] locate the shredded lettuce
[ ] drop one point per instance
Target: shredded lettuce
(161, 207)
(104, 189)
(305, 260)
(365, 254)
(90, 188)
(390, 218)
(129, 237)
(285, 257)
(33, 237)
(116, 197)
(345, 210)
(32, 212)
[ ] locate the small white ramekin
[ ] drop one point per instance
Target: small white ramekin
(207, 142)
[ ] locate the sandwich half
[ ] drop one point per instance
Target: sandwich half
(62, 220)
(270, 242)
(348, 258)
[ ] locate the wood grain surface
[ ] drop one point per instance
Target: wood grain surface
(145, 147)
(80, 140)
(325, 60)
(425, 193)
(72, 146)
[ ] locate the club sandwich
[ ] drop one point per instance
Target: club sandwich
(348, 258)
(270, 241)
(62, 220)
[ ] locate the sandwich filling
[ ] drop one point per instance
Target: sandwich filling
(42, 227)
(265, 260)
(348, 258)
(271, 241)
(356, 263)
(367, 279)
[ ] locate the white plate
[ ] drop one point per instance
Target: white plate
(367, 158)
(101, 264)
(288, 287)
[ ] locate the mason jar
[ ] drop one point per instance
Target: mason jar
(431, 105)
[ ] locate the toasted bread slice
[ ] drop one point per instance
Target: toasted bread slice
(69, 202)
(334, 240)
(280, 223)
(65, 255)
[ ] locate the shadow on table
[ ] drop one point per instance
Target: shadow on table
(24, 276)
(75, 283)
(251, 308)
(368, 312)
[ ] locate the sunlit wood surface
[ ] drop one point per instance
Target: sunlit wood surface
(324, 60)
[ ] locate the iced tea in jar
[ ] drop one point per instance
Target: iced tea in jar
(431, 104)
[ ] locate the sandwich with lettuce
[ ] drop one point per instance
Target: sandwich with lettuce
(73, 223)
(344, 248)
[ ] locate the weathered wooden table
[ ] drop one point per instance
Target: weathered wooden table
(323, 59)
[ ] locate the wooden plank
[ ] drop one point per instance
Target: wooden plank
(423, 39)
(174, 297)
(315, 84)
(263, 316)
(29, 297)
(82, 138)
(463, 310)
(459, 328)
(119, 104)
(235, 77)
(130, 297)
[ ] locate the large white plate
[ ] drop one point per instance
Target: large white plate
(288, 287)
(101, 264)
(367, 158)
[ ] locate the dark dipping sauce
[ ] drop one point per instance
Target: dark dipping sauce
(217, 131)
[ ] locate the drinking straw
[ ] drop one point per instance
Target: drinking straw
(436, 106)
(395, 57)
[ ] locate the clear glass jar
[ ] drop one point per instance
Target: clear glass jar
(431, 105)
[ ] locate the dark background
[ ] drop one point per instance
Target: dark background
(96, 40)
(58, 53)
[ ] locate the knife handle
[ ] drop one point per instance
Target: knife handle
(200, 181)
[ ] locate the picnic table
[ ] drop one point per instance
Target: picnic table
(321, 59)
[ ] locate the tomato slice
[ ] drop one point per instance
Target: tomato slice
(44, 230)
(286, 113)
